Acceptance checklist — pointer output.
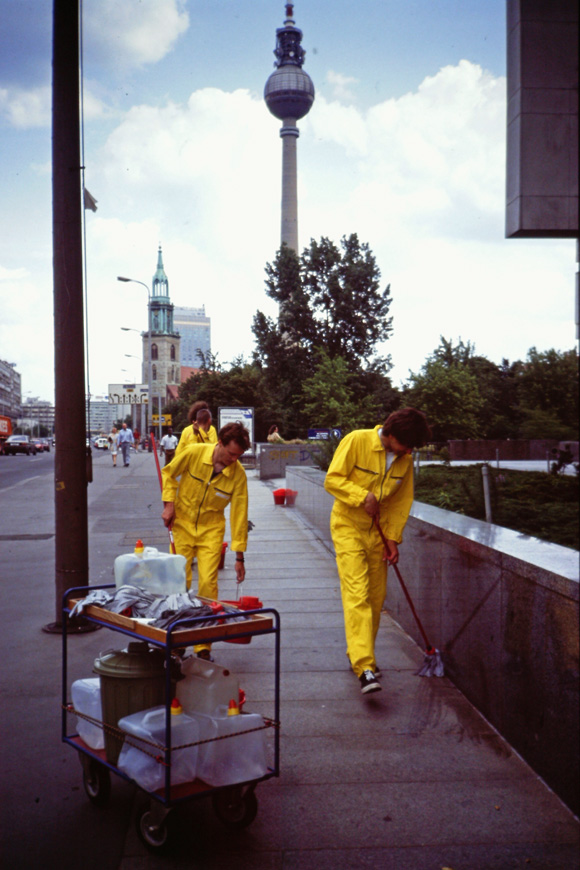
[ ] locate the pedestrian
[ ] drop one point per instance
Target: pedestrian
(125, 440)
(114, 445)
(200, 430)
(274, 436)
(371, 479)
(197, 487)
(168, 445)
(136, 439)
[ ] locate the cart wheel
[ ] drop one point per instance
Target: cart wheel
(153, 834)
(234, 808)
(97, 783)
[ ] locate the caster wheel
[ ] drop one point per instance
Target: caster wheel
(234, 808)
(97, 783)
(153, 833)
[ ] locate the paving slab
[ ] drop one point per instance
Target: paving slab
(412, 778)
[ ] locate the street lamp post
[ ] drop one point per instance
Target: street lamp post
(149, 379)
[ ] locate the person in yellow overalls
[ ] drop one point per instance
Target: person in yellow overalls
(371, 477)
(198, 484)
(200, 430)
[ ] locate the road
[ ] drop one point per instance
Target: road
(14, 470)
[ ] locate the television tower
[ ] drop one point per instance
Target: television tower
(289, 94)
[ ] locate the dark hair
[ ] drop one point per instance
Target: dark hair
(408, 426)
(197, 406)
(272, 429)
(235, 432)
(203, 416)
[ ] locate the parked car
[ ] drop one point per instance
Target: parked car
(19, 444)
(102, 442)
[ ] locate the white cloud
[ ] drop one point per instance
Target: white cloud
(133, 32)
(341, 85)
(26, 108)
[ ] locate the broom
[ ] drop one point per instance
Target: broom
(432, 663)
(154, 446)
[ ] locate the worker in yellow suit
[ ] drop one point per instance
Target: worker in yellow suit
(200, 430)
(198, 484)
(370, 477)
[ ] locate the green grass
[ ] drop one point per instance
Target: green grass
(529, 502)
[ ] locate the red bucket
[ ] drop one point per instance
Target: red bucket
(279, 496)
(291, 496)
(246, 602)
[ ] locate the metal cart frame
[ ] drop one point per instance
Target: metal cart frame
(235, 805)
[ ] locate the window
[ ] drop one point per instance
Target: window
(172, 351)
(154, 372)
(154, 352)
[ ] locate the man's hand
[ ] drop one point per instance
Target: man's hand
(240, 571)
(168, 515)
(371, 505)
(392, 552)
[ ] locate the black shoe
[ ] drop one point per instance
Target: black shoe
(369, 683)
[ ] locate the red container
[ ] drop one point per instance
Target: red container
(291, 496)
(279, 496)
(223, 556)
(246, 602)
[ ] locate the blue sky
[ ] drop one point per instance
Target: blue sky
(405, 145)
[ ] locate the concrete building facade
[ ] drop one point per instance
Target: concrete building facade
(10, 390)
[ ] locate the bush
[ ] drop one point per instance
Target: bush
(532, 503)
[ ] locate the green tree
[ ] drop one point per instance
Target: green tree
(330, 300)
(449, 396)
(548, 383)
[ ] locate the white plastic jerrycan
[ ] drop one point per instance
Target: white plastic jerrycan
(206, 686)
(158, 573)
(239, 758)
(150, 724)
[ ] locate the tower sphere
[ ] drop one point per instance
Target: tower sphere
(289, 92)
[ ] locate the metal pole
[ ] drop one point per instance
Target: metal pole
(71, 527)
(486, 497)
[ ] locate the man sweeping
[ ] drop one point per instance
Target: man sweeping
(371, 478)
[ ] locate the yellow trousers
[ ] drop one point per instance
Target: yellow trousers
(206, 547)
(363, 585)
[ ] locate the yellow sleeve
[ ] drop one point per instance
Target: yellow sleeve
(212, 435)
(239, 512)
(337, 481)
(397, 506)
(186, 439)
(171, 473)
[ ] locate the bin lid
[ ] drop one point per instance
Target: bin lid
(137, 661)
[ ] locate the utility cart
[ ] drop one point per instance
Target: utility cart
(235, 804)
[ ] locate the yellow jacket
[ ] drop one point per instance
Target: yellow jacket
(358, 467)
(189, 436)
(200, 499)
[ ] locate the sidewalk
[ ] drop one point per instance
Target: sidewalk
(411, 778)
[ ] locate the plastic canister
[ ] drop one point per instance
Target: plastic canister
(86, 698)
(206, 686)
(132, 679)
(241, 757)
(147, 771)
(159, 573)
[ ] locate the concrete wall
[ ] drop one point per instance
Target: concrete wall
(273, 458)
(503, 610)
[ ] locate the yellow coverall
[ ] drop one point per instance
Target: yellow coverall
(189, 436)
(357, 468)
(200, 498)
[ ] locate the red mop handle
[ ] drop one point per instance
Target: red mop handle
(153, 444)
(428, 646)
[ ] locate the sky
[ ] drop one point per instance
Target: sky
(404, 145)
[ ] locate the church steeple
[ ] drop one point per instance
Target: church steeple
(160, 282)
